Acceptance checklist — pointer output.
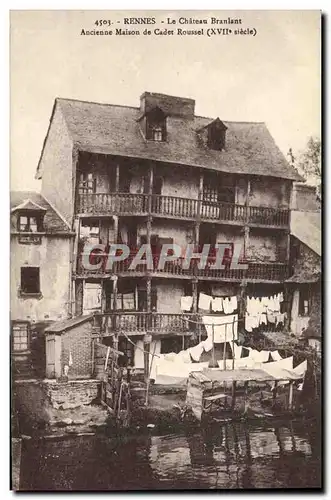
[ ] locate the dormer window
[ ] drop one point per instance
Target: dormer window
(216, 135)
(28, 217)
(155, 125)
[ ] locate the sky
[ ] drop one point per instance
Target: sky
(273, 77)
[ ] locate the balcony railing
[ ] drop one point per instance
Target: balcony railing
(263, 271)
(173, 206)
(136, 322)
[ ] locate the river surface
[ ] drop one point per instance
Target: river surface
(231, 456)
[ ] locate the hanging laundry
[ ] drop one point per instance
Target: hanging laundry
(279, 369)
(231, 329)
(271, 318)
(186, 303)
(276, 303)
(226, 305)
(251, 322)
(70, 359)
(207, 344)
(301, 369)
(263, 319)
(184, 356)
(248, 324)
(217, 304)
(281, 297)
(225, 327)
(276, 356)
(236, 350)
(263, 356)
(265, 301)
(234, 303)
(204, 301)
(280, 319)
(196, 352)
(253, 353)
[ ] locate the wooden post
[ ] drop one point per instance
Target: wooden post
(76, 245)
(195, 326)
(117, 178)
(213, 351)
(233, 356)
(224, 351)
(200, 196)
(234, 386)
(274, 394)
(246, 228)
(290, 396)
(245, 397)
(114, 318)
(149, 375)
(79, 297)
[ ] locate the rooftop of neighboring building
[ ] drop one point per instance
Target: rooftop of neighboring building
(25, 201)
(306, 227)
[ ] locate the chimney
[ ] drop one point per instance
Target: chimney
(170, 105)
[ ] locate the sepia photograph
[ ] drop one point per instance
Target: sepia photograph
(165, 250)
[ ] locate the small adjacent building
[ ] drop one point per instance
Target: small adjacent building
(305, 282)
(41, 242)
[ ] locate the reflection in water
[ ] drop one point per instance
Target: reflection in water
(231, 456)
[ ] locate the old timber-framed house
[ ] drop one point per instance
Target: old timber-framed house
(158, 174)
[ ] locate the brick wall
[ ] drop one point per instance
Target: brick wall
(78, 342)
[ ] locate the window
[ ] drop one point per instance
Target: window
(214, 192)
(157, 133)
(28, 224)
(20, 337)
(30, 281)
(156, 125)
(87, 183)
(304, 302)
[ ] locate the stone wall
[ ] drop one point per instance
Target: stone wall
(72, 394)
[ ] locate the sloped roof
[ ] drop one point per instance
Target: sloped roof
(29, 205)
(53, 222)
(306, 227)
(67, 324)
(113, 129)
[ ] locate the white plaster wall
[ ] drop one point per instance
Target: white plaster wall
(168, 296)
(53, 258)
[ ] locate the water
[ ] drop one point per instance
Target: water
(231, 456)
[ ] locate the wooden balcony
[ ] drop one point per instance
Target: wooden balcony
(99, 204)
(138, 323)
(256, 271)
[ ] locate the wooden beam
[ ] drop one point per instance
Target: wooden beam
(76, 244)
(290, 396)
(114, 317)
(200, 196)
(234, 387)
(117, 178)
(246, 228)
